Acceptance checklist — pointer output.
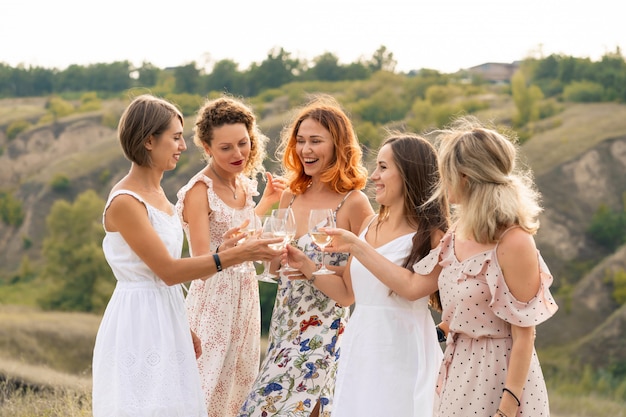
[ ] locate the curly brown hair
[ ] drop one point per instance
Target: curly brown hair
(228, 110)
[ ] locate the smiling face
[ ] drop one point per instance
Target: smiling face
(165, 150)
(387, 179)
(230, 148)
(315, 147)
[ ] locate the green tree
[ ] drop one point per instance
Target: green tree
(147, 75)
(60, 182)
(75, 267)
(326, 68)
(525, 98)
(225, 76)
(58, 107)
(11, 210)
(583, 92)
(90, 102)
(618, 279)
(17, 127)
(187, 79)
(382, 60)
(608, 227)
(276, 70)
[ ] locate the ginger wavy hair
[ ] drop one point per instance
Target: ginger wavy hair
(346, 171)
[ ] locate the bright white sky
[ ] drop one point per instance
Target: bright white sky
(445, 35)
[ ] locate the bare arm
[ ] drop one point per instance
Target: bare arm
(128, 216)
(517, 256)
(403, 282)
(519, 364)
(196, 213)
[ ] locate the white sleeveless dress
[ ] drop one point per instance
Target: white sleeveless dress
(144, 363)
(390, 354)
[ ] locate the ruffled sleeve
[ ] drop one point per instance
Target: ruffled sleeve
(182, 193)
(427, 264)
(508, 308)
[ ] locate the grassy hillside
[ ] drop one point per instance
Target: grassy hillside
(45, 360)
(577, 155)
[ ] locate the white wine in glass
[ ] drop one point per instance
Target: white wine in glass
(319, 219)
(285, 225)
(267, 233)
(250, 224)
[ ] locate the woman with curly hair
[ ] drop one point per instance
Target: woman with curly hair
(224, 310)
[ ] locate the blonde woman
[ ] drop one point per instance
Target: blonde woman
(494, 284)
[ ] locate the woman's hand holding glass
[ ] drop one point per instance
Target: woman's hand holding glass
(341, 240)
(301, 266)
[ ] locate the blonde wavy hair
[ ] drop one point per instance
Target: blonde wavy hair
(478, 166)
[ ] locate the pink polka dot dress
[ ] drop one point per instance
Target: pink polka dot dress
(480, 310)
(225, 313)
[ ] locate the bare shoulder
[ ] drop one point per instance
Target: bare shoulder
(435, 238)
(517, 247)
(517, 256)
(285, 198)
(517, 240)
(355, 210)
(123, 208)
(123, 201)
(357, 200)
(197, 191)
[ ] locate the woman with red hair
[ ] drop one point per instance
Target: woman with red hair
(323, 165)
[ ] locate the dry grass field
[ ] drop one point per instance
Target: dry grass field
(45, 359)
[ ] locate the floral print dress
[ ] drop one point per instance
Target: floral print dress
(225, 313)
(303, 347)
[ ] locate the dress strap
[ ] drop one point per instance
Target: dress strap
(120, 192)
(343, 200)
(503, 233)
(293, 197)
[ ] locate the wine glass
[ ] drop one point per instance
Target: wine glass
(266, 233)
(252, 223)
(285, 226)
(318, 219)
